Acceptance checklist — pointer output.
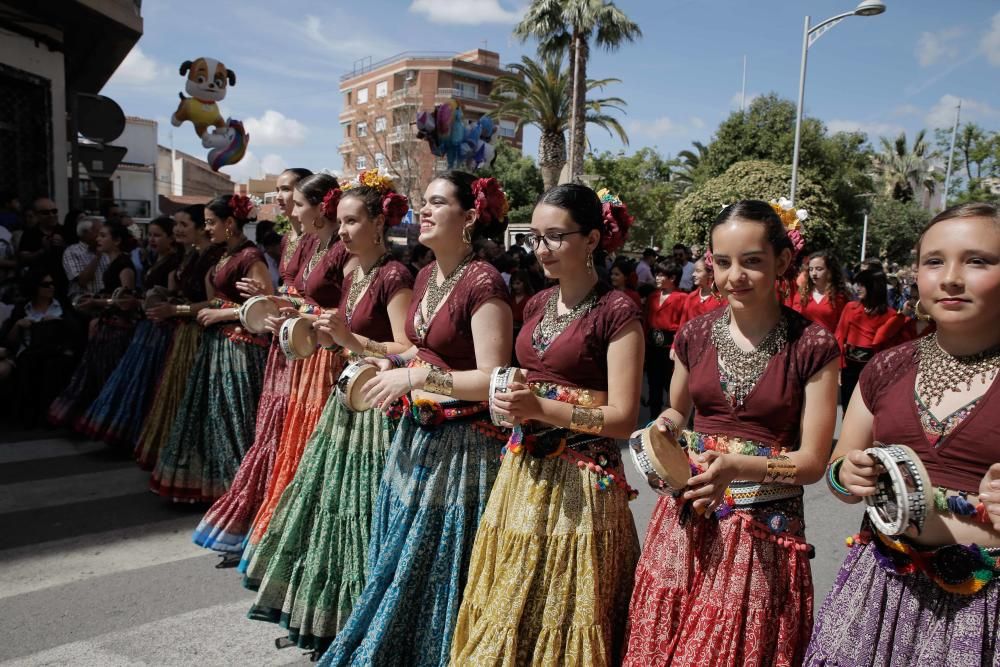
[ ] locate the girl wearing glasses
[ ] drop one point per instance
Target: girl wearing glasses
(556, 549)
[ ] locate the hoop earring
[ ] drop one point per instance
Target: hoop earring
(467, 235)
(229, 233)
(922, 316)
(320, 222)
(590, 263)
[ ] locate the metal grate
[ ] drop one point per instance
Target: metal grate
(25, 134)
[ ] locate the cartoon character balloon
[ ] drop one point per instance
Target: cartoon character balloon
(207, 82)
(465, 143)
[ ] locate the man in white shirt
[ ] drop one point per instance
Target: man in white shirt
(644, 269)
(84, 266)
(682, 255)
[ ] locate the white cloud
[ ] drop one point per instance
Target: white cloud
(907, 110)
(466, 12)
(933, 47)
(138, 69)
(663, 127)
(871, 128)
(253, 167)
(990, 44)
(942, 114)
(734, 101)
(275, 129)
(332, 38)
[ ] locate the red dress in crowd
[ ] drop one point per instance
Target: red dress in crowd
(860, 335)
(826, 311)
(695, 305)
(663, 319)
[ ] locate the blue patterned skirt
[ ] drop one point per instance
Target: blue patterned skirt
(433, 492)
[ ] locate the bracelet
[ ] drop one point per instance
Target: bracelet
(587, 420)
(182, 309)
(374, 348)
(409, 380)
(672, 428)
(439, 382)
(309, 309)
(780, 469)
(833, 477)
(397, 361)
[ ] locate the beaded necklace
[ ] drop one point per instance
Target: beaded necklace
(317, 256)
(739, 371)
(290, 249)
(940, 372)
(229, 254)
(435, 294)
(552, 323)
(359, 281)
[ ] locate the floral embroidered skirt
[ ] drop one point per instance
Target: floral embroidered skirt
(717, 592)
(227, 523)
(167, 394)
(117, 414)
(551, 571)
(876, 617)
(309, 567)
(215, 422)
(434, 490)
(311, 385)
(104, 351)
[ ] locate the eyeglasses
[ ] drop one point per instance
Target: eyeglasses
(552, 240)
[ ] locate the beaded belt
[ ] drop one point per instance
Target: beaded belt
(430, 414)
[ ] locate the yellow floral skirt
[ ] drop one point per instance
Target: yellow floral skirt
(551, 571)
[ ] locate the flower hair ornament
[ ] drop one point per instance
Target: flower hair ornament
(373, 179)
(328, 207)
(241, 206)
(394, 205)
(617, 221)
(491, 201)
(792, 219)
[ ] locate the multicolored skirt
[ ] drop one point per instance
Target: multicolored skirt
(215, 422)
(227, 523)
(874, 615)
(310, 390)
(309, 568)
(435, 488)
(552, 565)
(104, 351)
(116, 416)
(168, 394)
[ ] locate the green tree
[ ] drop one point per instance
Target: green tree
(521, 180)
(537, 93)
(569, 25)
(643, 181)
(977, 157)
(905, 172)
(692, 167)
(893, 228)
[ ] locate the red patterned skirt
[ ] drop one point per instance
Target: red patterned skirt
(730, 591)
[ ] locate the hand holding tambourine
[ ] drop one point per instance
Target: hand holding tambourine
(989, 494)
(859, 473)
(249, 287)
(333, 326)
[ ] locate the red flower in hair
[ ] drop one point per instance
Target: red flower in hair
(709, 261)
(329, 205)
(394, 207)
(242, 207)
(797, 241)
(617, 222)
(491, 202)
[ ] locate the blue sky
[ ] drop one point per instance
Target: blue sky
(903, 70)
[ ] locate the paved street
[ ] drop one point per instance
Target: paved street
(96, 570)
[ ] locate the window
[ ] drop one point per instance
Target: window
(347, 99)
(362, 129)
(347, 130)
(381, 89)
(362, 95)
(380, 161)
(469, 90)
(361, 163)
(380, 124)
(508, 128)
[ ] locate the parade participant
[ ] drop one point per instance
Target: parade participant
(445, 455)
(664, 311)
(703, 298)
(823, 295)
(187, 287)
(309, 566)
(214, 423)
(110, 333)
(227, 523)
(620, 276)
(866, 326)
(556, 548)
(724, 577)
(929, 596)
(116, 416)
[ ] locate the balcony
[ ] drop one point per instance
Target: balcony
(462, 94)
(402, 133)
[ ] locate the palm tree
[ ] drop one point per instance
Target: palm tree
(569, 24)
(906, 173)
(688, 163)
(535, 93)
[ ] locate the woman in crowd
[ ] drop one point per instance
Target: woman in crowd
(521, 292)
(664, 310)
(445, 456)
(866, 326)
(556, 549)
(227, 523)
(704, 297)
(189, 295)
(823, 295)
(620, 276)
(309, 566)
(214, 423)
(724, 576)
(930, 596)
(110, 333)
(117, 414)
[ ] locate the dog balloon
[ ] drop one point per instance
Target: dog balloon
(207, 82)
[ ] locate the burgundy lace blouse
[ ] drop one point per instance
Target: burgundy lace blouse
(772, 413)
(191, 277)
(962, 457)
(449, 343)
(112, 276)
(291, 271)
(159, 273)
(370, 317)
(224, 278)
(578, 357)
(325, 283)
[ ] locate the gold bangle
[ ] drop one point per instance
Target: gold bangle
(373, 348)
(780, 469)
(182, 309)
(587, 420)
(439, 382)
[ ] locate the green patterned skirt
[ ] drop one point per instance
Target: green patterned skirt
(309, 568)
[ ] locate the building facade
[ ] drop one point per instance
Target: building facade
(183, 179)
(381, 101)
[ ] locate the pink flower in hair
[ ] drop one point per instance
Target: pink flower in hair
(330, 202)
(797, 241)
(491, 201)
(617, 222)
(394, 207)
(242, 207)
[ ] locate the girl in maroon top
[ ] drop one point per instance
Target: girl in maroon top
(703, 298)
(724, 575)
(664, 311)
(620, 277)
(309, 575)
(445, 454)
(822, 295)
(214, 423)
(932, 595)
(521, 291)
(558, 515)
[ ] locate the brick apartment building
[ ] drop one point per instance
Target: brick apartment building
(381, 101)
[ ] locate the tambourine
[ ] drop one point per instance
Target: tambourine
(903, 493)
(500, 379)
(672, 455)
(297, 338)
(350, 383)
(255, 311)
(155, 296)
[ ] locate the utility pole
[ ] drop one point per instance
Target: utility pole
(951, 155)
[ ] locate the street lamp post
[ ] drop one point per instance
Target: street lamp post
(809, 37)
